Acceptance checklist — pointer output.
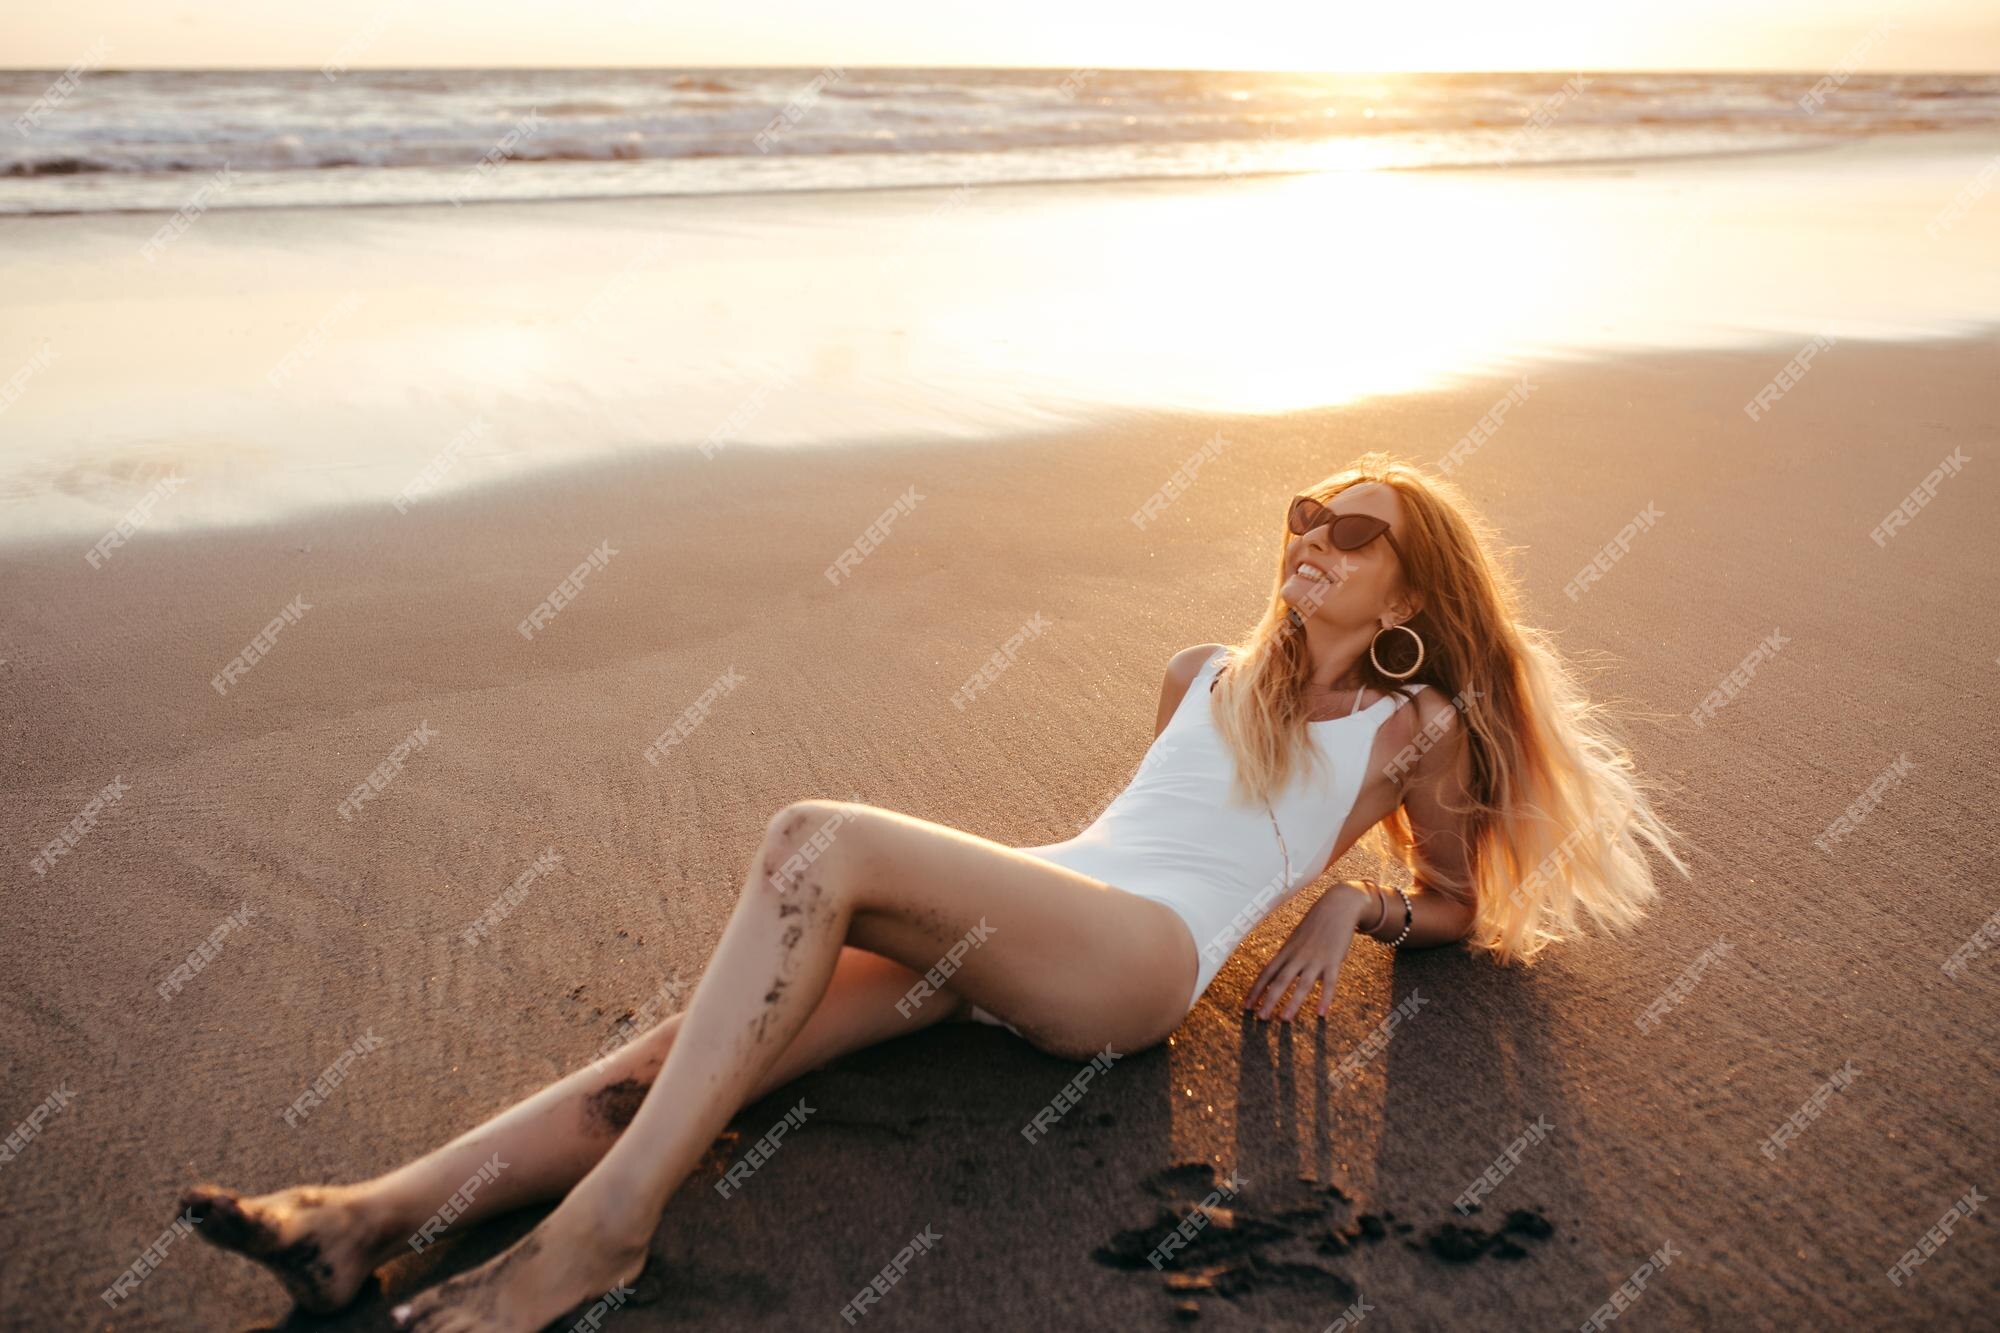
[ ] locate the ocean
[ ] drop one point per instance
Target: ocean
(94, 140)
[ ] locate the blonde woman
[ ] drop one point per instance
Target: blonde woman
(1389, 687)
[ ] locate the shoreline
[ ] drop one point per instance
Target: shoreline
(1920, 138)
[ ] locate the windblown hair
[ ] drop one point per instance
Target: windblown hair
(1557, 812)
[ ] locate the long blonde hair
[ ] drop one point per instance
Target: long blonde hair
(1557, 812)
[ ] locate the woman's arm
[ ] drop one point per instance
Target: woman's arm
(1440, 901)
(1435, 797)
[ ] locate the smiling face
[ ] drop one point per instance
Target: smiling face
(1348, 589)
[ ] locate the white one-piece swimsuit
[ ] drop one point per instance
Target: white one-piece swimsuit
(1178, 836)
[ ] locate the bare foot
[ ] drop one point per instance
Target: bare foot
(317, 1240)
(553, 1269)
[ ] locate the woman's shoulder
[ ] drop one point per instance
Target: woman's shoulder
(1182, 669)
(1191, 663)
(1425, 730)
(1435, 711)
(1186, 664)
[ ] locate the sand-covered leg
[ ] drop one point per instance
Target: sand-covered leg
(1066, 959)
(323, 1241)
(775, 958)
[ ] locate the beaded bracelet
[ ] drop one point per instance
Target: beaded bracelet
(1409, 915)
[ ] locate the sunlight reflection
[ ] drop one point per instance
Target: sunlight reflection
(581, 329)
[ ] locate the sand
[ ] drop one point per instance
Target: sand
(330, 931)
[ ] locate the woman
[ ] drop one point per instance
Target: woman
(1388, 687)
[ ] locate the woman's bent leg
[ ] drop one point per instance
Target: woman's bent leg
(324, 1241)
(1073, 964)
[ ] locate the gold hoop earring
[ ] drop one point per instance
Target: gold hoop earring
(1377, 662)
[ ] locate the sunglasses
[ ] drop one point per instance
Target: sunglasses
(1350, 532)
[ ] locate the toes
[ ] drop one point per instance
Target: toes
(420, 1311)
(224, 1220)
(201, 1200)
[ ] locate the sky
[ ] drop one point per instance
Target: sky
(1806, 35)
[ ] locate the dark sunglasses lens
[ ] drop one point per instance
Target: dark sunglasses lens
(1308, 514)
(1351, 532)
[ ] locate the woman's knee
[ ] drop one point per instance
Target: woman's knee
(812, 844)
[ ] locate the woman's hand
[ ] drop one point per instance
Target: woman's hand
(1314, 952)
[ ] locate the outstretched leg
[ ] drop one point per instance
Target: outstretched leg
(323, 1241)
(1074, 965)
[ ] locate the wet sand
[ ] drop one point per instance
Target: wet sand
(408, 627)
(279, 360)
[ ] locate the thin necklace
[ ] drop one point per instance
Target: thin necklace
(1284, 850)
(1355, 707)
